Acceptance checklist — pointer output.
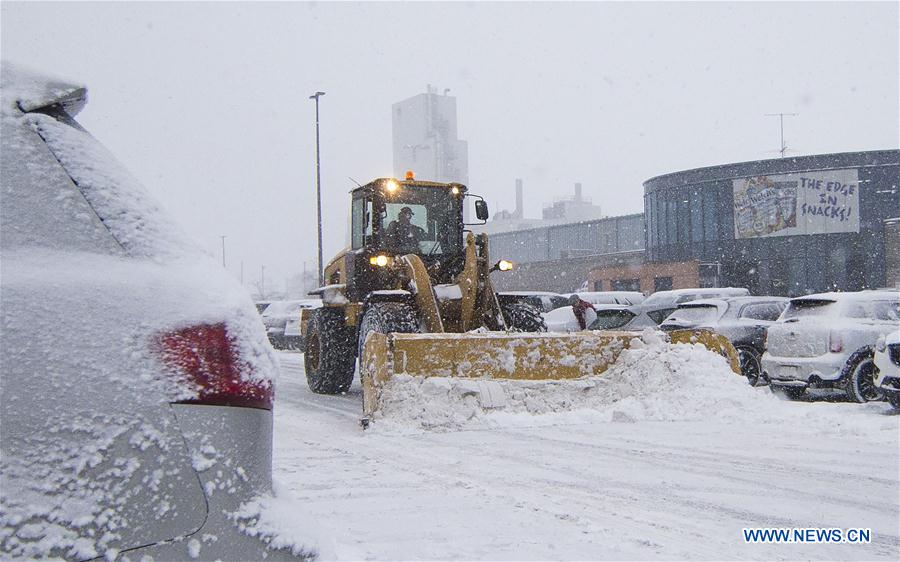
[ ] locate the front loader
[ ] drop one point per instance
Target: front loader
(412, 295)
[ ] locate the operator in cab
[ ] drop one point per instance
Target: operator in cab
(402, 235)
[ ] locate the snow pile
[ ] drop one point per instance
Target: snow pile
(653, 380)
(275, 519)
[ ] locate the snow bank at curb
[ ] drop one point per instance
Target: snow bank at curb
(652, 381)
(275, 519)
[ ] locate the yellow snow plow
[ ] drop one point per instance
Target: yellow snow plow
(510, 356)
(413, 297)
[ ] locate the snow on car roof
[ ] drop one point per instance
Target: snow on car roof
(133, 217)
(530, 293)
(28, 90)
(719, 303)
(877, 294)
(287, 307)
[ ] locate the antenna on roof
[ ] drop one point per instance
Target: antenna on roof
(781, 117)
(354, 181)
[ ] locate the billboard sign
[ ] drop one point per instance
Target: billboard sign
(803, 203)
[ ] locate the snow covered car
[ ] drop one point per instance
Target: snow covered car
(887, 367)
(662, 303)
(542, 300)
(620, 317)
(743, 320)
(653, 310)
(610, 297)
(282, 322)
(825, 341)
(136, 378)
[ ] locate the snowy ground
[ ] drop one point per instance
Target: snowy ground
(626, 485)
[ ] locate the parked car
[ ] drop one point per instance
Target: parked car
(743, 320)
(826, 341)
(542, 300)
(137, 381)
(662, 303)
(620, 317)
(261, 305)
(611, 297)
(654, 308)
(282, 322)
(887, 367)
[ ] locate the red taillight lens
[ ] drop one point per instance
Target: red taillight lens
(835, 342)
(205, 355)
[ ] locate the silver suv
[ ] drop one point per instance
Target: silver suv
(825, 341)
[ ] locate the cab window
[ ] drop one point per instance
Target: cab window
(361, 222)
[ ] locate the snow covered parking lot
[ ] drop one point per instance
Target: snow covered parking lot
(618, 485)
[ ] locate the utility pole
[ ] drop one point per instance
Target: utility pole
(781, 119)
(316, 97)
(223, 250)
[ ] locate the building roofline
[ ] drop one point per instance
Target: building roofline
(735, 170)
(628, 216)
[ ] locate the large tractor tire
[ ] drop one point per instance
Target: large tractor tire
(523, 317)
(386, 318)
(330, 352)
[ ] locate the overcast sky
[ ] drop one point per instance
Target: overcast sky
(207, 103)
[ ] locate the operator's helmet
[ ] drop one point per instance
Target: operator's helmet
(407, 211)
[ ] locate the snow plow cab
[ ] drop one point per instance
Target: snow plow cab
(412, 296)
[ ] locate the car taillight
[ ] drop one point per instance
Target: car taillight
(835, 342)
(206, 356)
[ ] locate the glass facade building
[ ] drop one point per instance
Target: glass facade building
(789, 226)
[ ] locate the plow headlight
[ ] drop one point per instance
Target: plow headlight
(454, 190)
(380, 261)
(391, 186)
(503, 265)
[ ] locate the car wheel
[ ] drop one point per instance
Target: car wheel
(789, 392)
(330, 356)
(748, 359)
(859, 373)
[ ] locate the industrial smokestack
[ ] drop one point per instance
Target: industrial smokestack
(519, 211)
(578, 193)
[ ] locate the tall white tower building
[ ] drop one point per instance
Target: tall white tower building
(425, 139)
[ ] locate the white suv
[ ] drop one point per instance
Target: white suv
(825, 341)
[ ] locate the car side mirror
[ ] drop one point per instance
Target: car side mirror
(481, 210)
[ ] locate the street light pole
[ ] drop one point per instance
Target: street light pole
(223, 250)
(318, 187)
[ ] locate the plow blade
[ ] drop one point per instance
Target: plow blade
(484, 357)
